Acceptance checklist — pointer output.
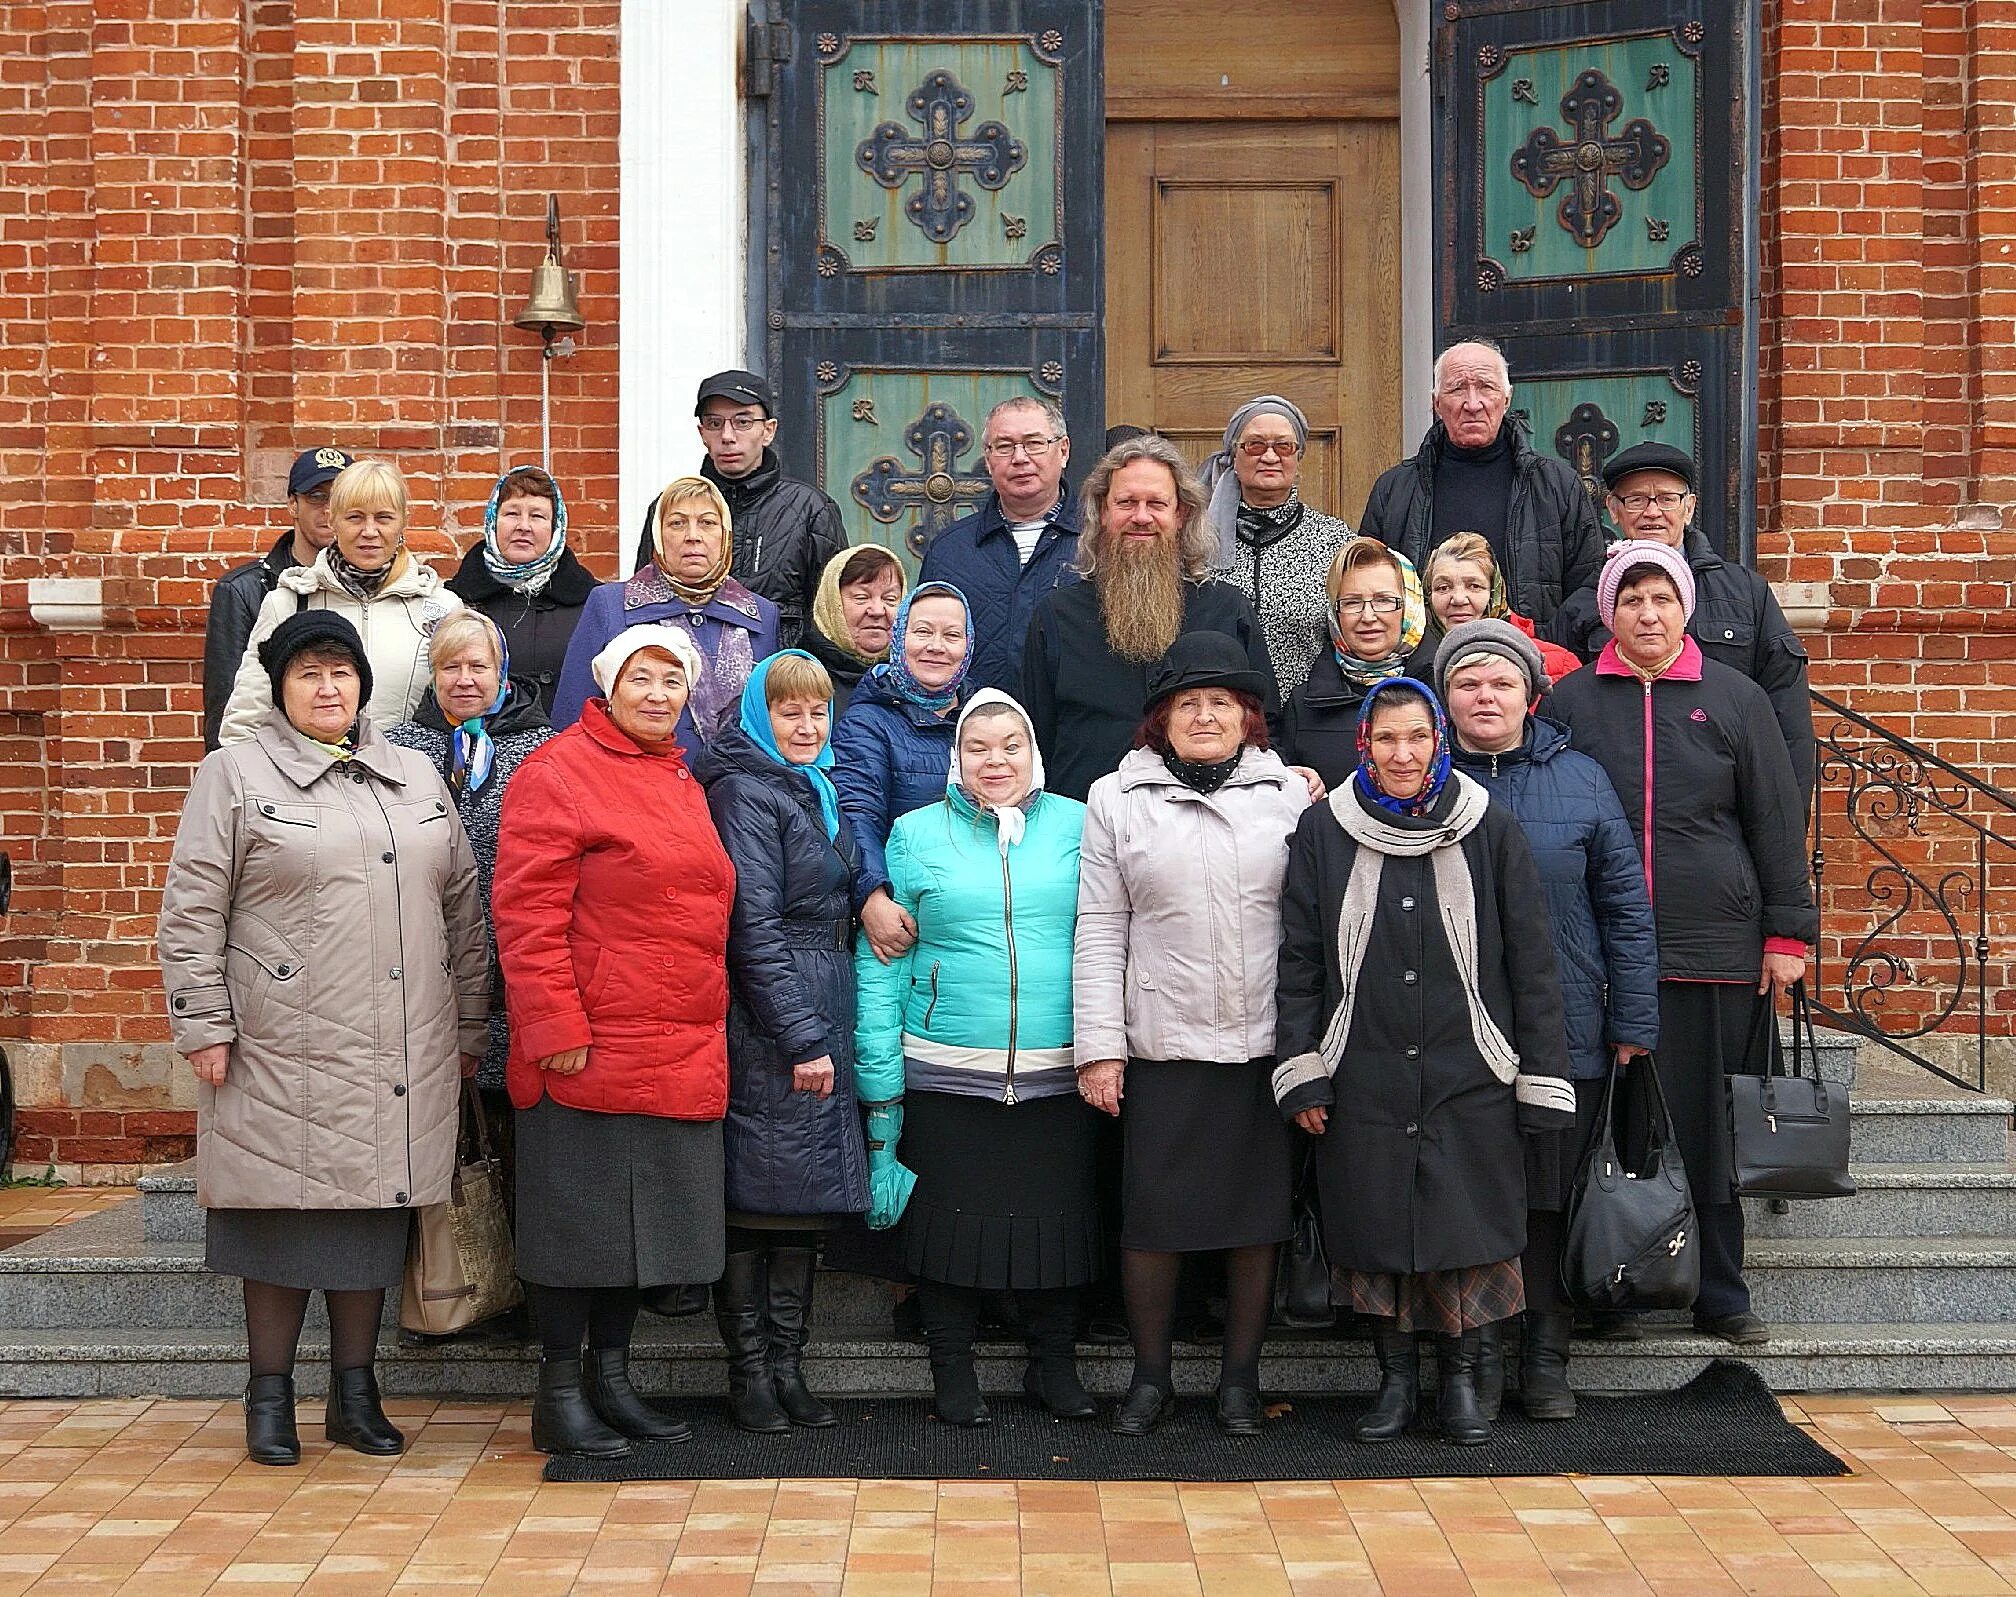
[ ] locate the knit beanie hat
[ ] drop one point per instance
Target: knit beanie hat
(314, 629)
(1486, 639)
(614, 655)
(1635, 555)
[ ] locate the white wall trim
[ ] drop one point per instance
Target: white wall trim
(683, 235)
(1417, 218)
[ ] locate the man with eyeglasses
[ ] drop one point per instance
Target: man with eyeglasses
(785, 530)
(1477, 471)
(235, 602)
(1020, 543)
(1736, 620)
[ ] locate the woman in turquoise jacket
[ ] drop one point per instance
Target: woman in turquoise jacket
(963, 1050)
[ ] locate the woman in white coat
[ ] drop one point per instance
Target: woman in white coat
(370, 578)
(1178, 924)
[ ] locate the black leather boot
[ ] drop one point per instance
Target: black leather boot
(1543, 1368)
(1490, 1369)
(605, 1377)
(1051, 1379)
(790, 1294)
(563, 1420)
(270, 1437)
(951, 1317)
(1456, 1407)
(741, 1309)
(356, 1418)
(1392, 1411)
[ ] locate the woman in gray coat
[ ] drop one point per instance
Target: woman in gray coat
(321, 941)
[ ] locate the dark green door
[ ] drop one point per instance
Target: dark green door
(931, 248)
(1593, 217)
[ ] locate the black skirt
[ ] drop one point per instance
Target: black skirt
(1004, 1196)
(315, 1250)
(1208, 1156)
(618, 1200)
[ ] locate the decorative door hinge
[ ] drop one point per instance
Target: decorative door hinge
(766, 46)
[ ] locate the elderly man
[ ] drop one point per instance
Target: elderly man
(1091, 644)
(235, 602)
(1019, 544)
(785, 530)
(1476, 471)
(1736, 617)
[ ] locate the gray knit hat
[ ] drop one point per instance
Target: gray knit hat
(1473, 639)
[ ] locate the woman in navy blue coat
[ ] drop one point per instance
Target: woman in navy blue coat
(1601, 921)
(796, 1158)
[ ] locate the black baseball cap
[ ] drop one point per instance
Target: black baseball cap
(745, 388)
(314, 467)
(1649, 457)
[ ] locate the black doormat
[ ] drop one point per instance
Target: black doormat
(1723, 1422)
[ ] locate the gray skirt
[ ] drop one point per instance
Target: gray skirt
(319, 1250)
(618, 1200)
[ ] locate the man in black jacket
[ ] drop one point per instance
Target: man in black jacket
(235, 602)
(1736, 616)
(1477, 471)
(1092, 644)
(785, 530)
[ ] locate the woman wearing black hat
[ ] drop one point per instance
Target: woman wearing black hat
(1173, 995)
(321, 941)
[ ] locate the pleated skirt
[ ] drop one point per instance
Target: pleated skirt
(1208, 1156)
(1004, 1197)
(315, 1250)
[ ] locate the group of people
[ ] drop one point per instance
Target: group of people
(1165, 846)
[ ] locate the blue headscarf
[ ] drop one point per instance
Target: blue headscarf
(895, 672)
(471, 753)
(1438, 765)
(756, 722)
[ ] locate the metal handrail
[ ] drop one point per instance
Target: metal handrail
(1923, 962)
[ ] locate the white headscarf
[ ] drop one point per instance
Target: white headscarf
(1009, 823)
(608, 665)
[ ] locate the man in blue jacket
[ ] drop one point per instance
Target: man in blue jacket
(1021, 543)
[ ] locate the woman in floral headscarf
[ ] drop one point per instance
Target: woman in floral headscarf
(524, 577)
(1419, 1033)
(854, 616)
(1461, 582)
(1377, 622)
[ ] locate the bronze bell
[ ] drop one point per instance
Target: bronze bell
(552, 307)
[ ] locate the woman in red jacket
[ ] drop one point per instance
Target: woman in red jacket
(612, 899)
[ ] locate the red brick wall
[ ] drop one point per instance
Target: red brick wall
(230, 230)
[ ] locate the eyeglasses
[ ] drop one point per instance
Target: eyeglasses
(1007, 448)
(1378, 604)
(1665, 501)
(1254, 448)
(744, 423)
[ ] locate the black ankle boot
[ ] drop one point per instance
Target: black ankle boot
(950, 1317)
(605, 1378)
(791, 1273)
(1456, 1407)
(741, 1309)
(1543, 1369)
(1392, 1411)
(356, 1418)
(1051, 1379)
(563, 1420)
(1490, 1369)
(270, 1437)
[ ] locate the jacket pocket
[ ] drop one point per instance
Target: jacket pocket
(298, 816)
(260, 942)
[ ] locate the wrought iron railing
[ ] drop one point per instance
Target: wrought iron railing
(1914, 870)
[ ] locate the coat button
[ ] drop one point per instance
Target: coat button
(284, 970)
(671, 893)
(1413, 1053)
(1413, 1129)
(720, 1025)
(266, 809)
(723, 897)
(386, 856)
(400, 1090)
(1410, 978)
(398, 1197)
(393, 973)
(1728, 632)
(181, 1003)
(1407, 903)
(357, 777)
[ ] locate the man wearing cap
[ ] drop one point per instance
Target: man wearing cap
(1736, 617)
(785, 530)
(234, 604)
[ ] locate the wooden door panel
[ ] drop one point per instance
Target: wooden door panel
(1219, 302)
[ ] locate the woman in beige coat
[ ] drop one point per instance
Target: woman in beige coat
(321, 940)
(1179, 892)
(371, 579)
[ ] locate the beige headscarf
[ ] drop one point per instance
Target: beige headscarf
(830, 616)
(678, 491)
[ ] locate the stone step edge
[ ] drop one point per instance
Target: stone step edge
(1933, 1106)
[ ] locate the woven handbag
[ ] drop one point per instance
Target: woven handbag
(460, 1268)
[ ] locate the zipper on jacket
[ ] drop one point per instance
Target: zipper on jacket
(1014, 979)
(1646, 822)
(933, 1004)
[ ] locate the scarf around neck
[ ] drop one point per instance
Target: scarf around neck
(1009, 824)
(355, 580)
(1260, 525)
(530, 576)
(1198, 776)
(694, 593)
(471, 753)
(755, 722)
(1413, 627)
(894, 673)
(1366, 778)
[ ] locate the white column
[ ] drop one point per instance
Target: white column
(1417, 220)
(684, 238)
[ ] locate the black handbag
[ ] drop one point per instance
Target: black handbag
(1788, 1135)
(1632, 1242)
(1302, 1277)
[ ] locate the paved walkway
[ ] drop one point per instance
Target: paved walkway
(155, 1499)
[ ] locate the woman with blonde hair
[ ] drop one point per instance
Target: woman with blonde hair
(687, 587)
(370, 578)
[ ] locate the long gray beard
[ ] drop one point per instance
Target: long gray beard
(1141, 600)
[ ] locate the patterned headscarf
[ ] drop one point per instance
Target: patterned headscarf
(756, 722)
(829, 614)
(1438, 765)
(895, 674)
(471, 754)
(681, 490)
(531, 575)
(1413, 627)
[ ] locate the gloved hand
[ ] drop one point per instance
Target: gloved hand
(889, 1184)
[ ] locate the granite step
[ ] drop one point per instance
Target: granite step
(1958, 1281)
(168, 1208)
(200, 1363)
(1964, 1130)
(1901, 1200)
